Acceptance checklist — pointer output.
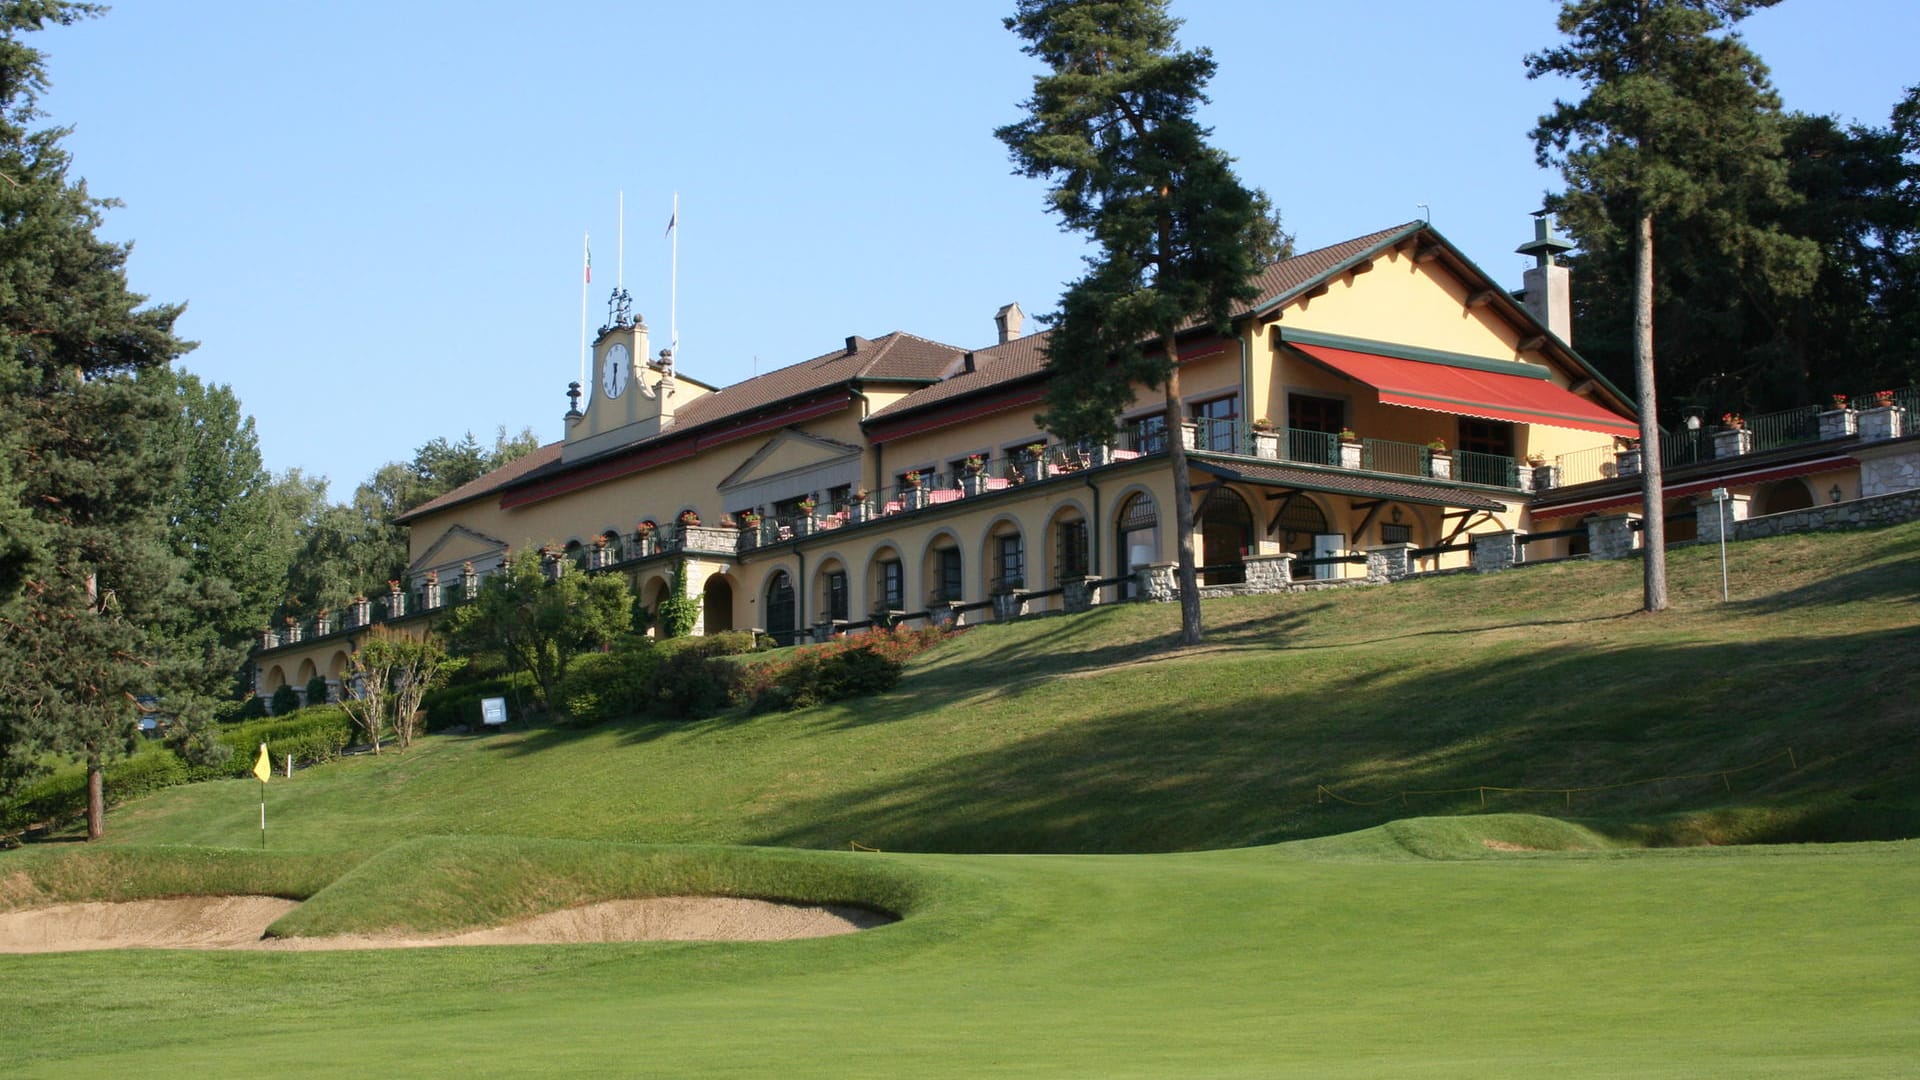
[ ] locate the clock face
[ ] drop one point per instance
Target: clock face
(613, 371)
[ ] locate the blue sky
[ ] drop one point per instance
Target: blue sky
(374, 210)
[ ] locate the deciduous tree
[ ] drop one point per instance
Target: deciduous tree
(1113, 125)
(542, 620)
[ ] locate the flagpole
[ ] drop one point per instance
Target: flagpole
(263, 815)
(673, 294)
(620, 264)
(586, 277)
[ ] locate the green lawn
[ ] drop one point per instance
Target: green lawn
(1275, 933)
(1327, 958)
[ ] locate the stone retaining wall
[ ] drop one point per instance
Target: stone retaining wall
(1859, 514)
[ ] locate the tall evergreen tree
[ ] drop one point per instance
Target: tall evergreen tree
(1679, 122)
(1112, 125)
(92, 468)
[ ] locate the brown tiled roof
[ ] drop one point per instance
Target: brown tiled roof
(895, 357)
(1348, 483)
(1026, 357)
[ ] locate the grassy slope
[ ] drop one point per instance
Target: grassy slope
(1083, 735)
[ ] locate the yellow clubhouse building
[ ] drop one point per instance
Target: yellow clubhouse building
(1381, 395)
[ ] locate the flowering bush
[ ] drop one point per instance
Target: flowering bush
(1883, 397)
(843, 668)
(1839, 401)
(913, 478)
(689, 517)
(1438, 446)
(1733, 420)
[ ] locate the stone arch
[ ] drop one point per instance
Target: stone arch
(716, 604)
(828, 598)
(654, 589)
(1296, 521)
(886, 560)
(1065, 543)
(781, 604)
(1782, 496)
(1006, 556)
(304, 674)
(276, 678)
(1136, 530)
(1225, 526)
(943, 568)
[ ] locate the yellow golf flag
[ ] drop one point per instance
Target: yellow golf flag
(263, 768)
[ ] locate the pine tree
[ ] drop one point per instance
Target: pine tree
(90, 467)
(1679, 123)
(1113, 126)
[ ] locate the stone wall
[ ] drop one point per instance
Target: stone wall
(1884, 474)
(1859, 513)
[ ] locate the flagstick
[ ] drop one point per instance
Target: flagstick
(263, 815)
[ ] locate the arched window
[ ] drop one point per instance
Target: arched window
(1226, 532)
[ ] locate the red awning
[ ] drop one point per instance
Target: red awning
(1463, 391)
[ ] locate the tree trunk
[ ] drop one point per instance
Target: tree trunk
(1653, 538)
(1182, 500)
(96, 799)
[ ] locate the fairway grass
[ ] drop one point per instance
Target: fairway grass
(1326, 958)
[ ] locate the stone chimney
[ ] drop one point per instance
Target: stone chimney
(1008, 319)
(1547, 289)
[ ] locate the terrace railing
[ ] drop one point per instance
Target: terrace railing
(1490, 470)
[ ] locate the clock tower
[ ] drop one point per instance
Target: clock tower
(633, 395)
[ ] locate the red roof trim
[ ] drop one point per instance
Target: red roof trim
(677, 450)
(1695, 487)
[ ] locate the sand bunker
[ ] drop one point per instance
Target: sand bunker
(238, 922)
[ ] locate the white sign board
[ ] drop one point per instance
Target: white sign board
(493, 710)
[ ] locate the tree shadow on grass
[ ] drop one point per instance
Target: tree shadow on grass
(1220, 775)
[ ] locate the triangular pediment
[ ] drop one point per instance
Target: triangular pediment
(789, 453)
(457, 544)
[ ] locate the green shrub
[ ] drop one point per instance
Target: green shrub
(286, 700)
(458, 704)
(602, 686)
(317, 690)
(692, 682)
(62, 796)
(311, 735)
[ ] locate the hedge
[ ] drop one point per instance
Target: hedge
(62, 796)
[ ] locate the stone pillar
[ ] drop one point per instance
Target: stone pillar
(1838, 423)
(914, 497)
(1009, 605)
(469, 582)
(1441, 464)
(1732, 442)
(292, 636)
(1883, 422)
(1709, 520)
(1389, 562)
(1350, 455)
(1157, 583)
(1102, 454)
(1491, 552)
(322, 624)
(1269, 573)
(396, 600)
(362, 610)
(269, 639)
(973, 484)
(1626, 462)
(430, 593)
(1266, 444)
(1078, 594)
(1613, 536)
(1190, 434)
(1545, 477)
